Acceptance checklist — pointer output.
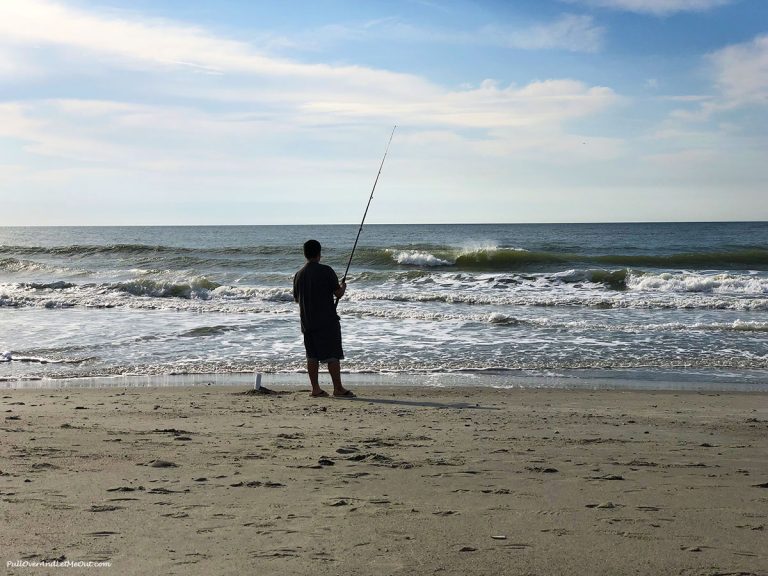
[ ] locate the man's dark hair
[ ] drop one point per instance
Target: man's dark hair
(311, 249)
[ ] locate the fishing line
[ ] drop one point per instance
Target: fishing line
(344, 278)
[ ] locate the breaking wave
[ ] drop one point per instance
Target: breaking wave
(517, 259)
(593, 288)
(416, 258)
(16, 265)
(196, 288)
(705, 283)
(514, 259)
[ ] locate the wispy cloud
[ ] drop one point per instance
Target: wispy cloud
(741, 72)
(180, 138)
(655, 7)
(142, 105)
(293, 91)
(713, 137)
(156, 43)
(568, 32)
(40, 136)
(739, 79)
(576, 33)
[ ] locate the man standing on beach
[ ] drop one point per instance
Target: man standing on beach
(314, 288)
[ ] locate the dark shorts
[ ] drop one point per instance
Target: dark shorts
(324, 345)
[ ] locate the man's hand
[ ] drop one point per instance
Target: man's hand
(340, 290)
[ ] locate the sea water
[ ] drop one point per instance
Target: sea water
(496, 304)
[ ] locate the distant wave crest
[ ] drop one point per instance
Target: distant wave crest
(494, 258)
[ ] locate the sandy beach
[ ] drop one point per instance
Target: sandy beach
(207, 480)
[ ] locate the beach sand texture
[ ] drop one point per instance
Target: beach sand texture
(445, 481)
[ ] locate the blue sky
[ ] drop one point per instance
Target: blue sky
(252, 112)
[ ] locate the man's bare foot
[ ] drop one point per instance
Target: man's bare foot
(320, 394)
(344, 393)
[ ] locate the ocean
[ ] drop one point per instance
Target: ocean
(606, 305)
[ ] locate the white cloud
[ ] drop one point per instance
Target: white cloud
(740, 78)
(741, 72)
(687, 98)
(656, 7)
(8, 64)
(487, 106)
(159, 44)
(288, 92)
(177, 138)
(157, 138)
(576, 33)
(14, 123)
(713, 139)
(42, 137)
(16, 65)
(158, 124)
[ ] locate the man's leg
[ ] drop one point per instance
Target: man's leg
(334, 369)
(313, 367)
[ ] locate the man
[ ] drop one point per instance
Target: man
(314, 288)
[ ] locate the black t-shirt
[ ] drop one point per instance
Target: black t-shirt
(313, 288)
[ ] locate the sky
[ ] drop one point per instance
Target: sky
(187, 112)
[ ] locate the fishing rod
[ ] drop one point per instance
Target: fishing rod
(344, 278)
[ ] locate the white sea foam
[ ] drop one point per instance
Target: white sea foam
(22, 268)
(245, 293)
(533, 295)
(417, 258)
(683, 290)
(486, 247)
(476, 250)
(571, 275)
(693, 282)
(452, 299)
(15, 265)
(749, 326)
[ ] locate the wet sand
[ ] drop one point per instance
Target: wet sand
(206, 480)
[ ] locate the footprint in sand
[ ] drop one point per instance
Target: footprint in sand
(166, 491)
(256, 484)
(176, 515)
(125, 489)
(542, 469)
(337, 503)
(104, 508)
(162, 464)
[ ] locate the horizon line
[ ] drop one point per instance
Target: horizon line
(559, 223)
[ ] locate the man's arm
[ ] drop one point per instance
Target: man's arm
(339, 292)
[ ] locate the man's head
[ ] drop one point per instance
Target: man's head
(312, 249)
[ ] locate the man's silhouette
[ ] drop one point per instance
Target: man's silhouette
(314, 288)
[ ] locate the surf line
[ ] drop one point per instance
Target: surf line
(359, 230)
